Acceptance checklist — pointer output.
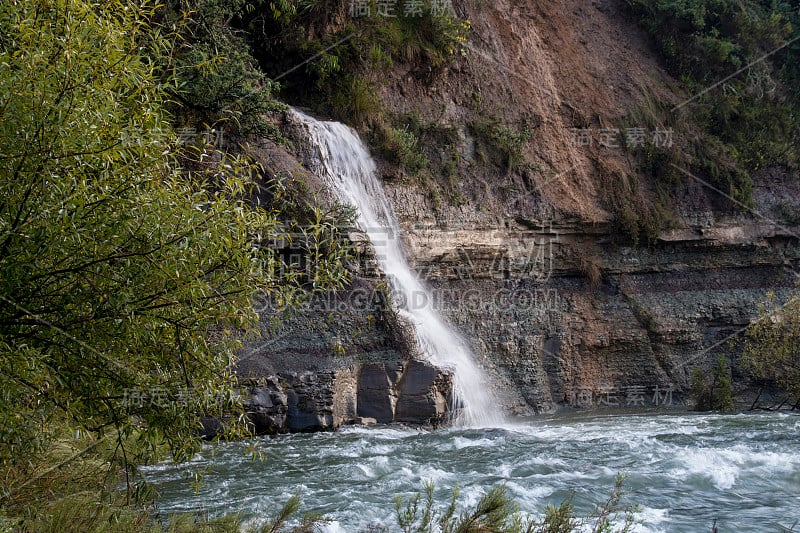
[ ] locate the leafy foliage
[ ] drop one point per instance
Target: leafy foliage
(280, 523)
(328, 56)
(772, 348)
(504, 140)
(211, 73)
(494, 512)
(401, 146)
(497, 513)
(739, 57)
(712, 392)
(101, 513)
(709, 39)
(124, 281)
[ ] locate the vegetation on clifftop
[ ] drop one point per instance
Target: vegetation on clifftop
(739, 63)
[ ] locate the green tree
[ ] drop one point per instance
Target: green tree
(210, 70)
(712, 392)
(772, 347)
(124, 281)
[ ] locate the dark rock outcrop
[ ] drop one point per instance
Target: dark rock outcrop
(571, 315)
(414, 393)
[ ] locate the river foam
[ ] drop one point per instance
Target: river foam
(684, 469)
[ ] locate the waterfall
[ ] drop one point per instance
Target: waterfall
(350, 171)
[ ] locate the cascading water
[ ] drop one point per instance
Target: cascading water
(350, 170)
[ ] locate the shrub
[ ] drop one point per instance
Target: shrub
(712, 392)
(636, 215)
(125, 280)
(209, 71)
(401, 146)
(499, 138)
(749, 121)
(772, 347)
(497, 513)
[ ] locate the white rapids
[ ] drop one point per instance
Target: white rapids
(685, 470)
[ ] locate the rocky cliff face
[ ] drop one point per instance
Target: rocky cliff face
(529, 260)
(565, 316)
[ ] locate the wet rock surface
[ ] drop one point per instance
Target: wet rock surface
(416, 394)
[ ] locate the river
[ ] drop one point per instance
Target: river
(684, 469)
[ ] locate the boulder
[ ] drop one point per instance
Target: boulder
(422, 394)
(376, 394)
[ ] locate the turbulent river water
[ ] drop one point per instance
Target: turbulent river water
(684, 469)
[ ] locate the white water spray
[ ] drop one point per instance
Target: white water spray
(350, 170)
